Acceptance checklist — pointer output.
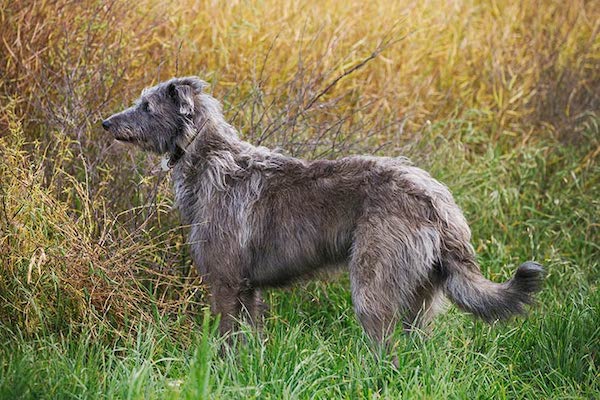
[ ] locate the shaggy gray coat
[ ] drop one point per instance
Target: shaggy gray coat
(261, 219)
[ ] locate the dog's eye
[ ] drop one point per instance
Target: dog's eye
(145, 107)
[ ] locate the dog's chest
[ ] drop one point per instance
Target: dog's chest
(217, 212)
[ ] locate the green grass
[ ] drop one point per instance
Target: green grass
(538, 201)
(313, 348)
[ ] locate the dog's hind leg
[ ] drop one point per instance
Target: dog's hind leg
(390, 268)
(428, 301)
(374, 296)
(376, 311)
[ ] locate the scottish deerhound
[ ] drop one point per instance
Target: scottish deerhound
(262, 219)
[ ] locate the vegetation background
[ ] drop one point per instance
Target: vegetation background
(498, 99)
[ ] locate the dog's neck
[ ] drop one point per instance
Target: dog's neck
(204, 137)
(199, 140)
(168, 160)
(207, 130)
(189, 132)
(188, 135)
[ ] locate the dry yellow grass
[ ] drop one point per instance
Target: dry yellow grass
(66, 260)
(518, 62)
(504, 57)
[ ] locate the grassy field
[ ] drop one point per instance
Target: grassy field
(98, 298)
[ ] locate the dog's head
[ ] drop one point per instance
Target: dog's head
(158, 119)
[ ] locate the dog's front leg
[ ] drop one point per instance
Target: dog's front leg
(252, 306)
(225, 302)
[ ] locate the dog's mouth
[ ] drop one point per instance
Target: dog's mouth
(125, 139)
(124, 136)
(119, 133)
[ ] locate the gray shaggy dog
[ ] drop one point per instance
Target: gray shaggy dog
(262, 219)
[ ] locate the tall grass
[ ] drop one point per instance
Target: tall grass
(65, 258)
(98, 297)
(520, 61)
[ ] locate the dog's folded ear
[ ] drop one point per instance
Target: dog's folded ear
(184, 90)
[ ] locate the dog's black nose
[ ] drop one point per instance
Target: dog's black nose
(106, 124)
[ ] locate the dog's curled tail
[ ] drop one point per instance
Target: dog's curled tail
(472, 292)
